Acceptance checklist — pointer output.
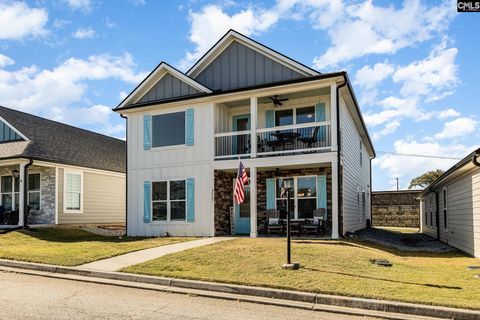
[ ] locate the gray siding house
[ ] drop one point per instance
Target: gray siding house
(52, 173)
(450, 206)
(242, 99)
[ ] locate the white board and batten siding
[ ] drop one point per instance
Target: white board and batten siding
(356, 174)
(172, 163)
(103, 198)
(463, 212)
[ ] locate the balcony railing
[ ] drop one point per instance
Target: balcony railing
(301, 138)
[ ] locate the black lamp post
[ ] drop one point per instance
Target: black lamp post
(288, 186)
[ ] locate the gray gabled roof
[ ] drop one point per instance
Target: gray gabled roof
(56, 142)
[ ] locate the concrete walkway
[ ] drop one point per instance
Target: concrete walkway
(132, 258)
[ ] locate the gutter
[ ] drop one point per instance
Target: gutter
(339, 148)
(126, 172)
(475, 157)
(25, 193)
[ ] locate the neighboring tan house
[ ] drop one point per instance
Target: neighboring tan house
(187, 131)
(450, 206)
(59, 173)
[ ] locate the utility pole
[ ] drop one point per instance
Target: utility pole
(397, 183)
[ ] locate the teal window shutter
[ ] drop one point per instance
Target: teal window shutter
(147, 129)
(269, 119)
(147, 202)
(322, 192)
(190, 200)
(271, 193)
(320, 115)
(189, 127)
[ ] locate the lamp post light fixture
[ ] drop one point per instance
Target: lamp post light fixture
(287, 187)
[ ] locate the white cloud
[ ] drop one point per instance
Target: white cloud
(138, 3)
(5, 61)
(457, 128)
(433, 77)
(85, 33)
(82, 5)
(369, 29)
(18, 21)
(59, 91)
(389, 128)
(407, 168)
(211, 22)
(122, 95)
(394, 109)
(369, 77)
(448, 113)
(60, 23)
(321, 13)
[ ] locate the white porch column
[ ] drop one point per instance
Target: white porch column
(333, 116)
(335, 202)
(253, 126)
(253, 202)
(21, 198)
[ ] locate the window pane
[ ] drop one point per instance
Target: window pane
(17, 184)
(280, 184)
(34, 182)
(177, 190)
(7, 201)
(159, 190)
(159, 211)
(34, 200)
(17, 201)
(168, 129)
(305, 115)
(177, 210)
(284, 117)
(73, 201)
(306, 207)
(307, 187)
(74, 182)
(6, 184)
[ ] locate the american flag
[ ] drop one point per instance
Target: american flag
(242, 180)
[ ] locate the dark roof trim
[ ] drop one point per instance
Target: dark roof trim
(59, 162)
(450, 171)
(256, 42)
(217, 93)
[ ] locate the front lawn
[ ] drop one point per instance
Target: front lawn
(334, 267)
(71, 246)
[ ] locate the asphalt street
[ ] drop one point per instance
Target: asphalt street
(34, 297)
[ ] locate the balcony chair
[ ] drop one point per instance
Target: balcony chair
(274, 224)
(313, 138)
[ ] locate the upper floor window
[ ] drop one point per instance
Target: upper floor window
(168, 129)
(294, 116)
(445, 217)
(361, 153)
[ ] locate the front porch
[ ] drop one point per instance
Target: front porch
(312, 193)
(32, 198)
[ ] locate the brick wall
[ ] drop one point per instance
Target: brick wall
(396, 208)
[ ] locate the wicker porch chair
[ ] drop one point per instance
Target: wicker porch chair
(273, 222)
(317, 226)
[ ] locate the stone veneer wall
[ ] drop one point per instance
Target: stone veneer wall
(46, 214)
(224, 194)
(396, 208)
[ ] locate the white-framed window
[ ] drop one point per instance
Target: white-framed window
(286, 117)
(169, 201)
(168, 129)
(361, 153)
(9, 192)
(304, 196)
(73, 192)
(445, 216)
(34, 191)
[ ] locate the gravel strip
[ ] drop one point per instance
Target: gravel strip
(107, 231)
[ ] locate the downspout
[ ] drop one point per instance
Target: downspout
(126, 174)
(339, 147)
(25, 193)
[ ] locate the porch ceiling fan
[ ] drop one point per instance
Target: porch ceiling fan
(277, 102)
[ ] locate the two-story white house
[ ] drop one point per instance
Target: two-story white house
(187, 131)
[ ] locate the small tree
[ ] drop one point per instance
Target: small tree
(425, 179)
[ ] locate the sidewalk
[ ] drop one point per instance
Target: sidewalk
(132, 258)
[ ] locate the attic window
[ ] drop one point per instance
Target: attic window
(7, 134)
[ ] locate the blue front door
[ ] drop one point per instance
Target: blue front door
(242, 214)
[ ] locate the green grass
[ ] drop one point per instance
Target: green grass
(71, 246)
(333, 267)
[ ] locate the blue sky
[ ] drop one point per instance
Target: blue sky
(413, 64)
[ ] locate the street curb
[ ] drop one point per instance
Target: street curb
(278, 294)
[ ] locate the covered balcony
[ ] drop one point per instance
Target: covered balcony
(283, 124)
